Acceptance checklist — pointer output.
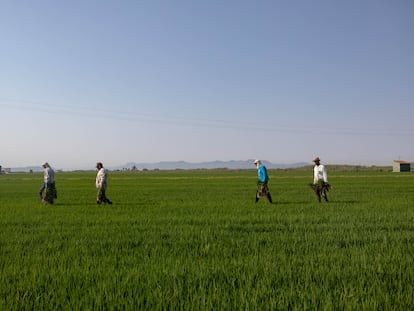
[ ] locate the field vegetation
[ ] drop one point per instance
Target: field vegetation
(196, 240)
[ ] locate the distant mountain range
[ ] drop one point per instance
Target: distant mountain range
(182, 165)
(248, 164)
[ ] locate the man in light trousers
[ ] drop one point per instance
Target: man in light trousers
(101, 184)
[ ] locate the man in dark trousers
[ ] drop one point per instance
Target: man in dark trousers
(48, 190)
(320, 180)
(262, 187)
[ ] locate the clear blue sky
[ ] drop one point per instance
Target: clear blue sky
(149, 81)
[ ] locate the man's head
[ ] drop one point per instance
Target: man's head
(256, 162)
(45, 164)
(316, 160)
(99, 165)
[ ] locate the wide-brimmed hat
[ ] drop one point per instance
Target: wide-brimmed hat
(316, 159)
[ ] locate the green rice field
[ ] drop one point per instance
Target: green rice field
(196, 240)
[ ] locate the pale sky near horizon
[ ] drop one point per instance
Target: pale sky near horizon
(149, 81)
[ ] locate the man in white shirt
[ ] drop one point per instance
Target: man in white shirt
(320, 180)
(48, 190)
(101, 184)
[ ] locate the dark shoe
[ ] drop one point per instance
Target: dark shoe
(269, 197)
(98, 202)
(318, 196)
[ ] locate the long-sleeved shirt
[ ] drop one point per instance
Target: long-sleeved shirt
(319, 173)
(102, 178)
(49, 175)
(262, 173)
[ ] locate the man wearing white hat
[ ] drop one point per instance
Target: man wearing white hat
(320, 180)
(262, 187)
(48, 190)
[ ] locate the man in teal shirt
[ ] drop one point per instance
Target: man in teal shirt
(262, 188)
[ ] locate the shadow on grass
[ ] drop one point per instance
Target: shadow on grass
(333, 202)
(61, 204)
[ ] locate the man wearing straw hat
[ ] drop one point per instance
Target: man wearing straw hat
(320, 180)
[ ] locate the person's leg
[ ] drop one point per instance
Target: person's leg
(48, 195)
(106, 200)
(266, 192)
(54, 191)
(318, 192)
(100, 195)
(103, 198)
(259, 191)
(269, 197)
(325, 193)
(41, 190)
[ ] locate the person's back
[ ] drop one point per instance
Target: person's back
(102, 178)
(49, 175)
(262, 171)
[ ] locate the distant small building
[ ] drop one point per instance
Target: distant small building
(401, 166)
(7, 170)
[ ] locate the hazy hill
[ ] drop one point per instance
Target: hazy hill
(173, 165)
(248, 164)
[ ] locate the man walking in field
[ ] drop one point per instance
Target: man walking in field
(101, 184)
(48, 190)
(320, 180)
(262, 187)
